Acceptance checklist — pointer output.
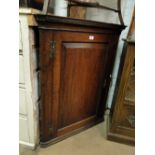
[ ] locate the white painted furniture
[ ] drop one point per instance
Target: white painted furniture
(28, 94)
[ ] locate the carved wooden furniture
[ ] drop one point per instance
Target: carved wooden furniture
(123, 118)
(76, 60)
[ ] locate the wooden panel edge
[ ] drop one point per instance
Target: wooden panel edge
(58, 139)
(76, 125)
(120, 139)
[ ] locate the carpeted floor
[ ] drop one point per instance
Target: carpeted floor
(88, 142)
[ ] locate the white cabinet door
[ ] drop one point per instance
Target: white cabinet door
(22, 102)
(23, 129)
(20, 38)
(21, 69)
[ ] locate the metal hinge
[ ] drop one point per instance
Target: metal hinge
(53, 50)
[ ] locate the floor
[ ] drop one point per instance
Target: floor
(89, 142)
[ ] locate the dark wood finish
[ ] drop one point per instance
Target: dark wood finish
(123, 110)
(75, 78)
(37, 4)
(123, 117)
(71, 133)
(45, 21)
(82, 72)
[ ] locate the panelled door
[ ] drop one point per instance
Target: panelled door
(73, 69)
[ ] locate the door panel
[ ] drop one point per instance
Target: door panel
(82, 73)
(72, 81)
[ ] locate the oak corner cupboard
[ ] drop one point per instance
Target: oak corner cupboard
(76, 61)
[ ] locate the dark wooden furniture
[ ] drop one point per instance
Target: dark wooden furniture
(76, 60)
(37, 4)
(123, 118)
